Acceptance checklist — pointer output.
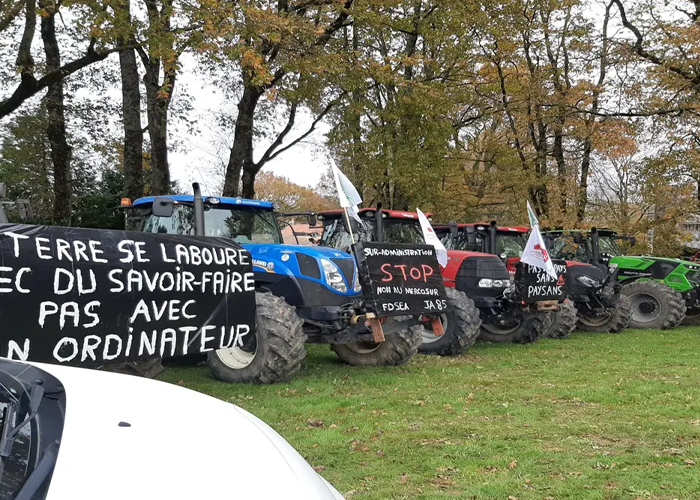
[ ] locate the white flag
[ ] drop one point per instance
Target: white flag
(535, 252)
(347, 194)
(432, 239)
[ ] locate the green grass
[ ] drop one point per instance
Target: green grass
(592, 416)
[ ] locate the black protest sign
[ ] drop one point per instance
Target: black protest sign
(400, 279)
(93, 297)
(534, 284)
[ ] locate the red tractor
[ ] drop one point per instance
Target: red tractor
(498, 310)
(594, 300)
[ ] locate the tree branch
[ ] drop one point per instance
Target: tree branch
(29, 87)
(296, 141)
(11, 15)
(645, 54)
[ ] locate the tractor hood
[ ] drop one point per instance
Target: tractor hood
(308, 262)
(129, 437)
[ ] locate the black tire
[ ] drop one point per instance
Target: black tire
(692, 317)
(531, 327)
(616, 319)
(669, 306)
(397, 348)
(462, 325)
(563, 321)
(279, 351)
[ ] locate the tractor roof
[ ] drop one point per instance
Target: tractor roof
(485, 225)
(601, 230)
(369, 212)
(220, 200)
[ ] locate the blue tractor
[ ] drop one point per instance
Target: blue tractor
(304, 293)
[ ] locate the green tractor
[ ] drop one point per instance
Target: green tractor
(664, 293)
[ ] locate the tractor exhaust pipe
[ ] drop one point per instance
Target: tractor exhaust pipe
(492, 237)
(198, 206)
(595, 246)
(379, 224)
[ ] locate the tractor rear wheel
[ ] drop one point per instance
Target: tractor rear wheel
(655, 306)
(530, 327)
(563, 321)
(461, 324)
(273, 354)
(397, 348)
(614, 319)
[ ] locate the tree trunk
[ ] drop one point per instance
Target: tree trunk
(157, 103)
(558, 153)
(61, 152)
(133, 132)
(240, 160)
(583, 181)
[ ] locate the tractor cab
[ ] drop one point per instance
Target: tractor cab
(507, 242)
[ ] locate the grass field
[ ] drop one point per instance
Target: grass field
(592, 416)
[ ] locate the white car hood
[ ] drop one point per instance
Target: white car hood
(179, 444)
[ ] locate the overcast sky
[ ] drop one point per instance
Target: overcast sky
(200, 153)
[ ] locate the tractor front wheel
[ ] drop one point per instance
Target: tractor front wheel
(655, 306)
(613, 320)
(273, 354)
(461, 325)
(529, 328)
(563, 321)
(397, 348)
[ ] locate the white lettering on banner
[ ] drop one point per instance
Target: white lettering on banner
(150, 324)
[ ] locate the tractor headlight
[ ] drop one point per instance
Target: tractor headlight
(356, 287)
(489, 283)
(333, 276)
(588, 281)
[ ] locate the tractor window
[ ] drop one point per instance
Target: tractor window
(242, 224)
(563, 246)
(408, 231)
(461, 243)
(335, 235)
(609, 246)
(510, 244)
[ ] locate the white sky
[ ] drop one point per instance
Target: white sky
(200, 154)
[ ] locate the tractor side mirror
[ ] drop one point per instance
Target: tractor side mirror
(163, 206)
(633, 241)
(471, 235)
(313, 220)
(350, 225)
(454, 230)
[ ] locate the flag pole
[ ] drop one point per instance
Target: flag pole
(347, 218)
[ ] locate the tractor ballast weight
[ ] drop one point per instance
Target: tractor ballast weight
(663, 292)
(303, 293)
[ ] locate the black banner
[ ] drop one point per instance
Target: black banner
(93, 297)
(534, 284)
(400, 279)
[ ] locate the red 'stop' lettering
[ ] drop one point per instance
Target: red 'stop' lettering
(389, 276)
